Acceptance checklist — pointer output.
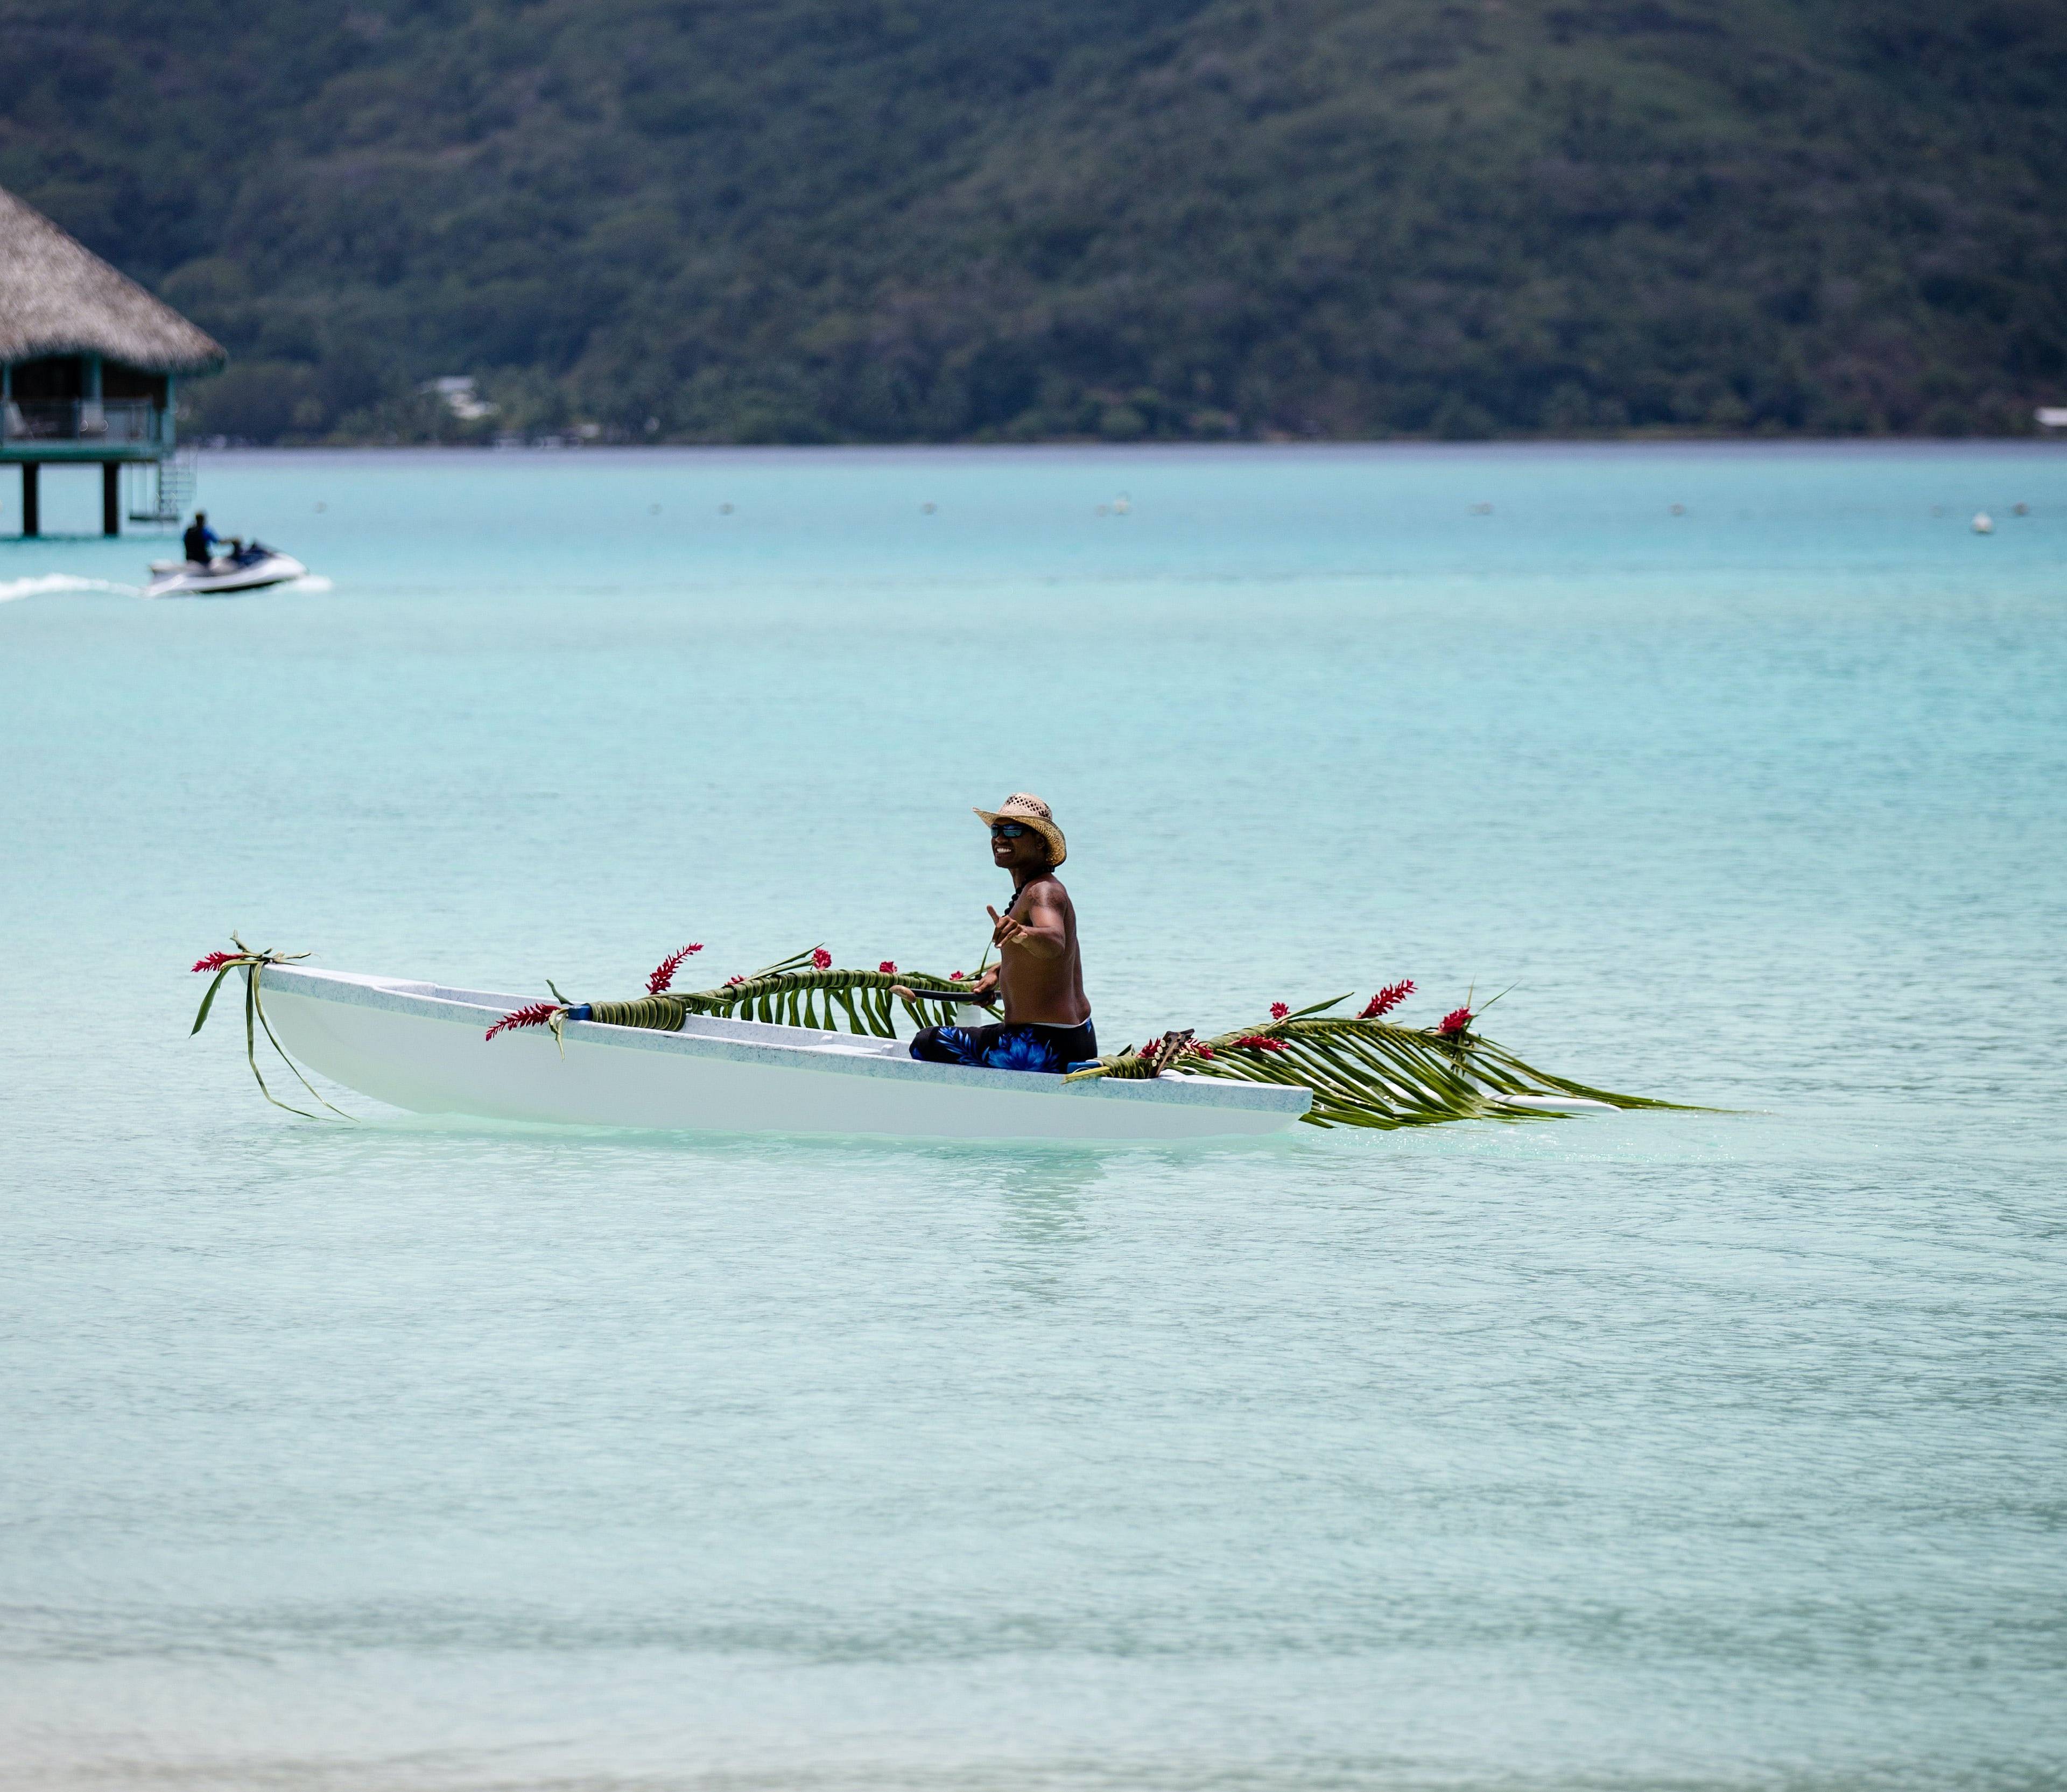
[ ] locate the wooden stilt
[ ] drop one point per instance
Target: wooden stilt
(111, 497)
(32, 508)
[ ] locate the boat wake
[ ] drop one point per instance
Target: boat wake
(313, 581)
(49, 583)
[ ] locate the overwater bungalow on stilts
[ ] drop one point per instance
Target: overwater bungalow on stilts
(88, 361)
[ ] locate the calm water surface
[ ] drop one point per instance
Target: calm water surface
(1669, 1450)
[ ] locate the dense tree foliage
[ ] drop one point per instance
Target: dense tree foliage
(897, 220)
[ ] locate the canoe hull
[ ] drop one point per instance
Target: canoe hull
(419, 1046)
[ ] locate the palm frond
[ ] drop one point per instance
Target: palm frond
(793, 992)
(1363, 1071)
(1372, 1073)
(254, 963)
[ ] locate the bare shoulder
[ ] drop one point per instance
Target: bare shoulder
(1042, 894)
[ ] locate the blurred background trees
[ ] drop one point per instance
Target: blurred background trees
(911, 220)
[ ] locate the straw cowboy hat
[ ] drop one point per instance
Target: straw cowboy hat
(1030, 812)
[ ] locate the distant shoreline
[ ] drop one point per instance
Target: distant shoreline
(1616, 446)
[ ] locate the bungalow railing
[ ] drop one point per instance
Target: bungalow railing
(118, 422)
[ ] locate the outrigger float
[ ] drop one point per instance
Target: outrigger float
(800, 1047)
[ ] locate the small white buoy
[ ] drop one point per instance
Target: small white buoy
(1122, 505)
(1983, 523)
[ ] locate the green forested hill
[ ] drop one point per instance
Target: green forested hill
(892, 219)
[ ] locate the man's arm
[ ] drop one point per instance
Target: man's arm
(982, 991)
(1042, 932)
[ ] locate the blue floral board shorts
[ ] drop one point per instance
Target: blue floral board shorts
(1023, 1046)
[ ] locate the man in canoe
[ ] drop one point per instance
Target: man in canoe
(1039, 974)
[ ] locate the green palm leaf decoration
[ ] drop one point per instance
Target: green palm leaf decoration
(1363, 1071)
(1371, 1071)
(800, 992)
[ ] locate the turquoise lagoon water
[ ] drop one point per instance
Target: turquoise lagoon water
(1686, 1450)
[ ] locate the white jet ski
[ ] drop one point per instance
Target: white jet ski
(254, 569)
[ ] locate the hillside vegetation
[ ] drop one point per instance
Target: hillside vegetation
(902, 220)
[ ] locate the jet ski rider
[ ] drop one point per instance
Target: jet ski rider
(200, 542)
(1039, 972)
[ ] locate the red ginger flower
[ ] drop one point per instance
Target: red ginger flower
(730, 981)
(888, 968)
(663, 973)
(821, 959)
(1386, 999)
(537, 1015)
(215, 960)
(1195, 1049)
(1455, 1022)
(1279, 1009)
(954, 976)
(1261, 1042)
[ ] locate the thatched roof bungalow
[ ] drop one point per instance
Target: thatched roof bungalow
(87, 359)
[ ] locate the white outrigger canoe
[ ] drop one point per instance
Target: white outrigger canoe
(419, 1046)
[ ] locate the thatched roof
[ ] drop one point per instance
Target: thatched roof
(57, 297)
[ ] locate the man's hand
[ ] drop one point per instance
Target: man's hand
(1041, 940)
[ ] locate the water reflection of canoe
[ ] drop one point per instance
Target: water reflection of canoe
(419, 1046)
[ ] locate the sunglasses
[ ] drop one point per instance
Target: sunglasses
(1007, 830)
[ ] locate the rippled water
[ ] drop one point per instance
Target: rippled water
(1648, 1450)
